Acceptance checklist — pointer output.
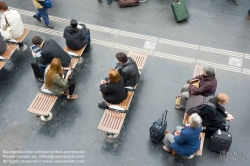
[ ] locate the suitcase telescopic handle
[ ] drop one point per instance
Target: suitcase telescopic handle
(164, 116)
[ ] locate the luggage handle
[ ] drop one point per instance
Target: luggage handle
(164, 116)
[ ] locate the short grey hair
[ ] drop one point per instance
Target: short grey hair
(209, 70)
(195, 119)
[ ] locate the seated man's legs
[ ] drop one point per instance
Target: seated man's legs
(168, 139)
(87, 49)
(42, 68)
(184, 97)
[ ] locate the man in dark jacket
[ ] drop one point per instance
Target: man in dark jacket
(77, 36)
(214, 116)
(128, 69)
(49, 50)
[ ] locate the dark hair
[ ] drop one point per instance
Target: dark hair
(3, 6)
(73, 23)
(114, 76)
(121, 57)
(37, 40)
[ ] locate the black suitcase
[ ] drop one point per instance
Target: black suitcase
(220, 141)
(158, 128)
(36, 70)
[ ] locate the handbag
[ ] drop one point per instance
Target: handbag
(7, 34)
(46, 3)
(194, 82)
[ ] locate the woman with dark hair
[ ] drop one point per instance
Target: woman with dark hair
(113, 90)
(207, 86)
(55, 81)
(12, 19)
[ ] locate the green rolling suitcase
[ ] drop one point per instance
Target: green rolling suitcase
(180, 10)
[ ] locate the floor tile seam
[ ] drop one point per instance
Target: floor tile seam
(149, 52)
(146, 37)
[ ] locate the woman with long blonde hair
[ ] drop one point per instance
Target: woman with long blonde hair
(55, 81)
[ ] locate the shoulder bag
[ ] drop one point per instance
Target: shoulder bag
(7, 34)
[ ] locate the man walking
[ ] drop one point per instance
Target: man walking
(42, 12)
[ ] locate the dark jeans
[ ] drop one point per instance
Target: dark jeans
(248, 12)
(88, 44)
(42, 68)
(44, 14)
(71, 88)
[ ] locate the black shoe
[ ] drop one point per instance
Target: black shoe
(236, 2)
(110, 1)
(103, 105)
(39, 19)
(50, 26)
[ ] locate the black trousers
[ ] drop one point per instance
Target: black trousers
(71, 88)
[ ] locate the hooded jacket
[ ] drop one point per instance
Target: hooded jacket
(75, 38)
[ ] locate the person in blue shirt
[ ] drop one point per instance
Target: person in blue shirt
(185, 140)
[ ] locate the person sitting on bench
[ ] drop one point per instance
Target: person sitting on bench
(128, 69)
(77, 36)
(207, 86)
(214, 115)
(3, 45)
(113, 89)
(49, 50)
(56, 82)
(185, 140)
(10, 18)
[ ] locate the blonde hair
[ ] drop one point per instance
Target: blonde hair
(222, 97)
(54, 69)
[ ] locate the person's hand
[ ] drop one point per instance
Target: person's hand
(229, 117)
(33, 53)
(177, 133)
(68, 73)
(102, 82)
(66, 68)
(188, 85)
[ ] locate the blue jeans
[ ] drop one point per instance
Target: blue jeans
(88, 44)
(44, 14)
(42, 68)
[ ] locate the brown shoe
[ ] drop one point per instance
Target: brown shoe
(248, 17)
(72, 97)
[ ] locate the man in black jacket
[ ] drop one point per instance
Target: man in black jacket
(214, 115)
(49, 50)
(128, 69)
(77, 36)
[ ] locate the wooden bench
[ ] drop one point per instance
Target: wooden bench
(42, 105)
(1, 64)
(111, 122)
(197, 71)
(22, 47)
(77, 54)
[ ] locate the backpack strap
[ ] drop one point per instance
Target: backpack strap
(207, 102)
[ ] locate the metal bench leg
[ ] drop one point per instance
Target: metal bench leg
(80, 60)
(22, 47)
(46, 118)
(111, 135)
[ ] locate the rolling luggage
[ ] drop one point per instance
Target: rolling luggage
(180, 10)
(36, 70)
(220, 141)
(158, 128)
(128, 3)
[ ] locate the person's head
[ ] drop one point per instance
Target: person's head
(222, 98)
(54, 69)
(121, 57)
(208, 71)
(73, 23)
(37, 40)
(195, 120)
(114, 76)
(3, 7)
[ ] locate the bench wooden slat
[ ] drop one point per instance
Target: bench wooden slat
(125, 103)
(25, 33)
(197, 70)
(139, 59)
(202, 137)
(77, 52)
(73, 62)
(1, 64)
(10, 50)
(111, 121)
(42, 104)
